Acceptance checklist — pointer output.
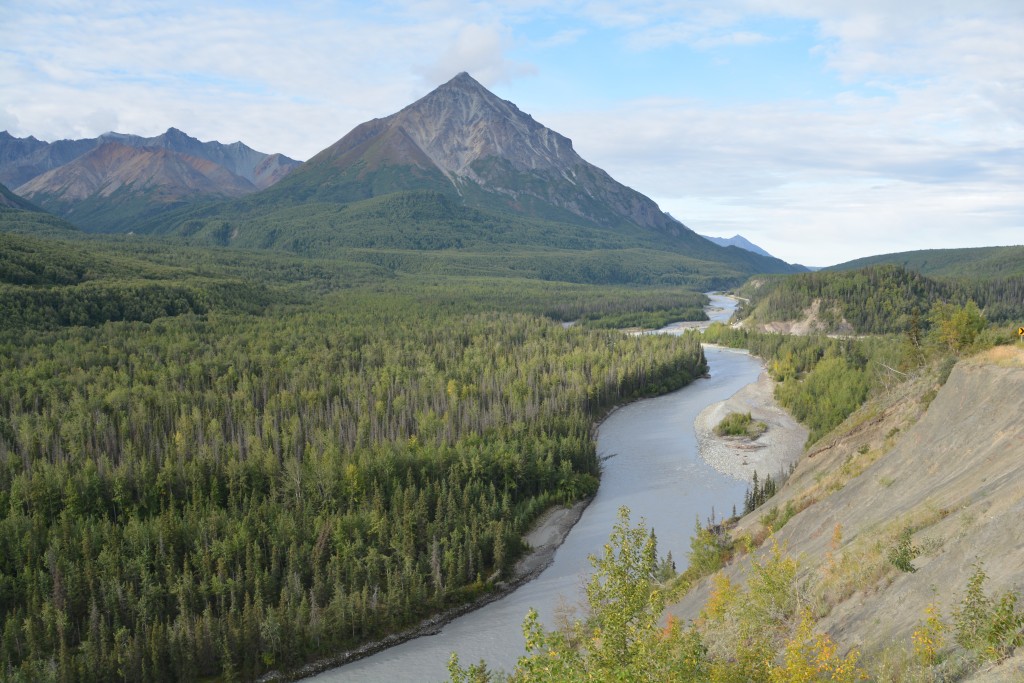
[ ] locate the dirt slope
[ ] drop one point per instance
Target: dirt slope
(952, 470)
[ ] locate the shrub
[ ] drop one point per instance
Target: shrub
(740, 424)
(928, 638)
(988, 627)
(902, 554)
(815, 657)
(709, 551)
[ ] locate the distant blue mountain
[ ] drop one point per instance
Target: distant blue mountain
(737, 241)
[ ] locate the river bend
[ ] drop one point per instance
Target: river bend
(651, 465)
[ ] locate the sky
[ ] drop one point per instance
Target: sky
(821, 130)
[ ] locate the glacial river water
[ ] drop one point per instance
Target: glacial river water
(651, 465)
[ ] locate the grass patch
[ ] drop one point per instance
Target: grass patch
(740, 424)
(1003, 356)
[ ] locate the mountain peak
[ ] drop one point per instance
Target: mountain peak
(176, 133)
(461, 123)
(463, 138)
(737, 241)
(464, 81)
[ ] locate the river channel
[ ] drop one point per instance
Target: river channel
(651, 465)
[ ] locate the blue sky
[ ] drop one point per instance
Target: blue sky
(821, 130)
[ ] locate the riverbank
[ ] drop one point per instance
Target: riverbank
(547, 534)
(774, 451)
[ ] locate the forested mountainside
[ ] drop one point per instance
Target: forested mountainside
(10, 201)
(34, 223)
(978, 263)
(876, 299)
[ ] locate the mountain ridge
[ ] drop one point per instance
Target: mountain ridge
(22, 159)
(737, 241)
(259, 168)
(112, 182)
(460, 174)
(459, 170)
(113, 165)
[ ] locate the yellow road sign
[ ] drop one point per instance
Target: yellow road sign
(1020, 331)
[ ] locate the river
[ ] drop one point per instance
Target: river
(651, 465)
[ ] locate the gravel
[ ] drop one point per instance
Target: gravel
(773, 452)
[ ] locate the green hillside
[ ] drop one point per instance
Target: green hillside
(33, 223)
(121, 211)
(434, 232)
(876, 299)
(22, 216)
(9, 200)
(978, 263)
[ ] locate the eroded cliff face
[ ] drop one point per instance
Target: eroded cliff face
(949, 469)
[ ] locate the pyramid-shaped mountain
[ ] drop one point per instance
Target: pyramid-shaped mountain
(462, 139)
(455, 178)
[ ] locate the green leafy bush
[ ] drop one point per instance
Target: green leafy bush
(903, 553)
(740, 424)
(989, 627)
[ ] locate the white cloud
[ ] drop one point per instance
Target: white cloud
(480, 50)
(279, 80)
(925, 147)
(566, 37)
(734, 38)
(820, 182)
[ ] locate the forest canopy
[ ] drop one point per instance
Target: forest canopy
(218, 465)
